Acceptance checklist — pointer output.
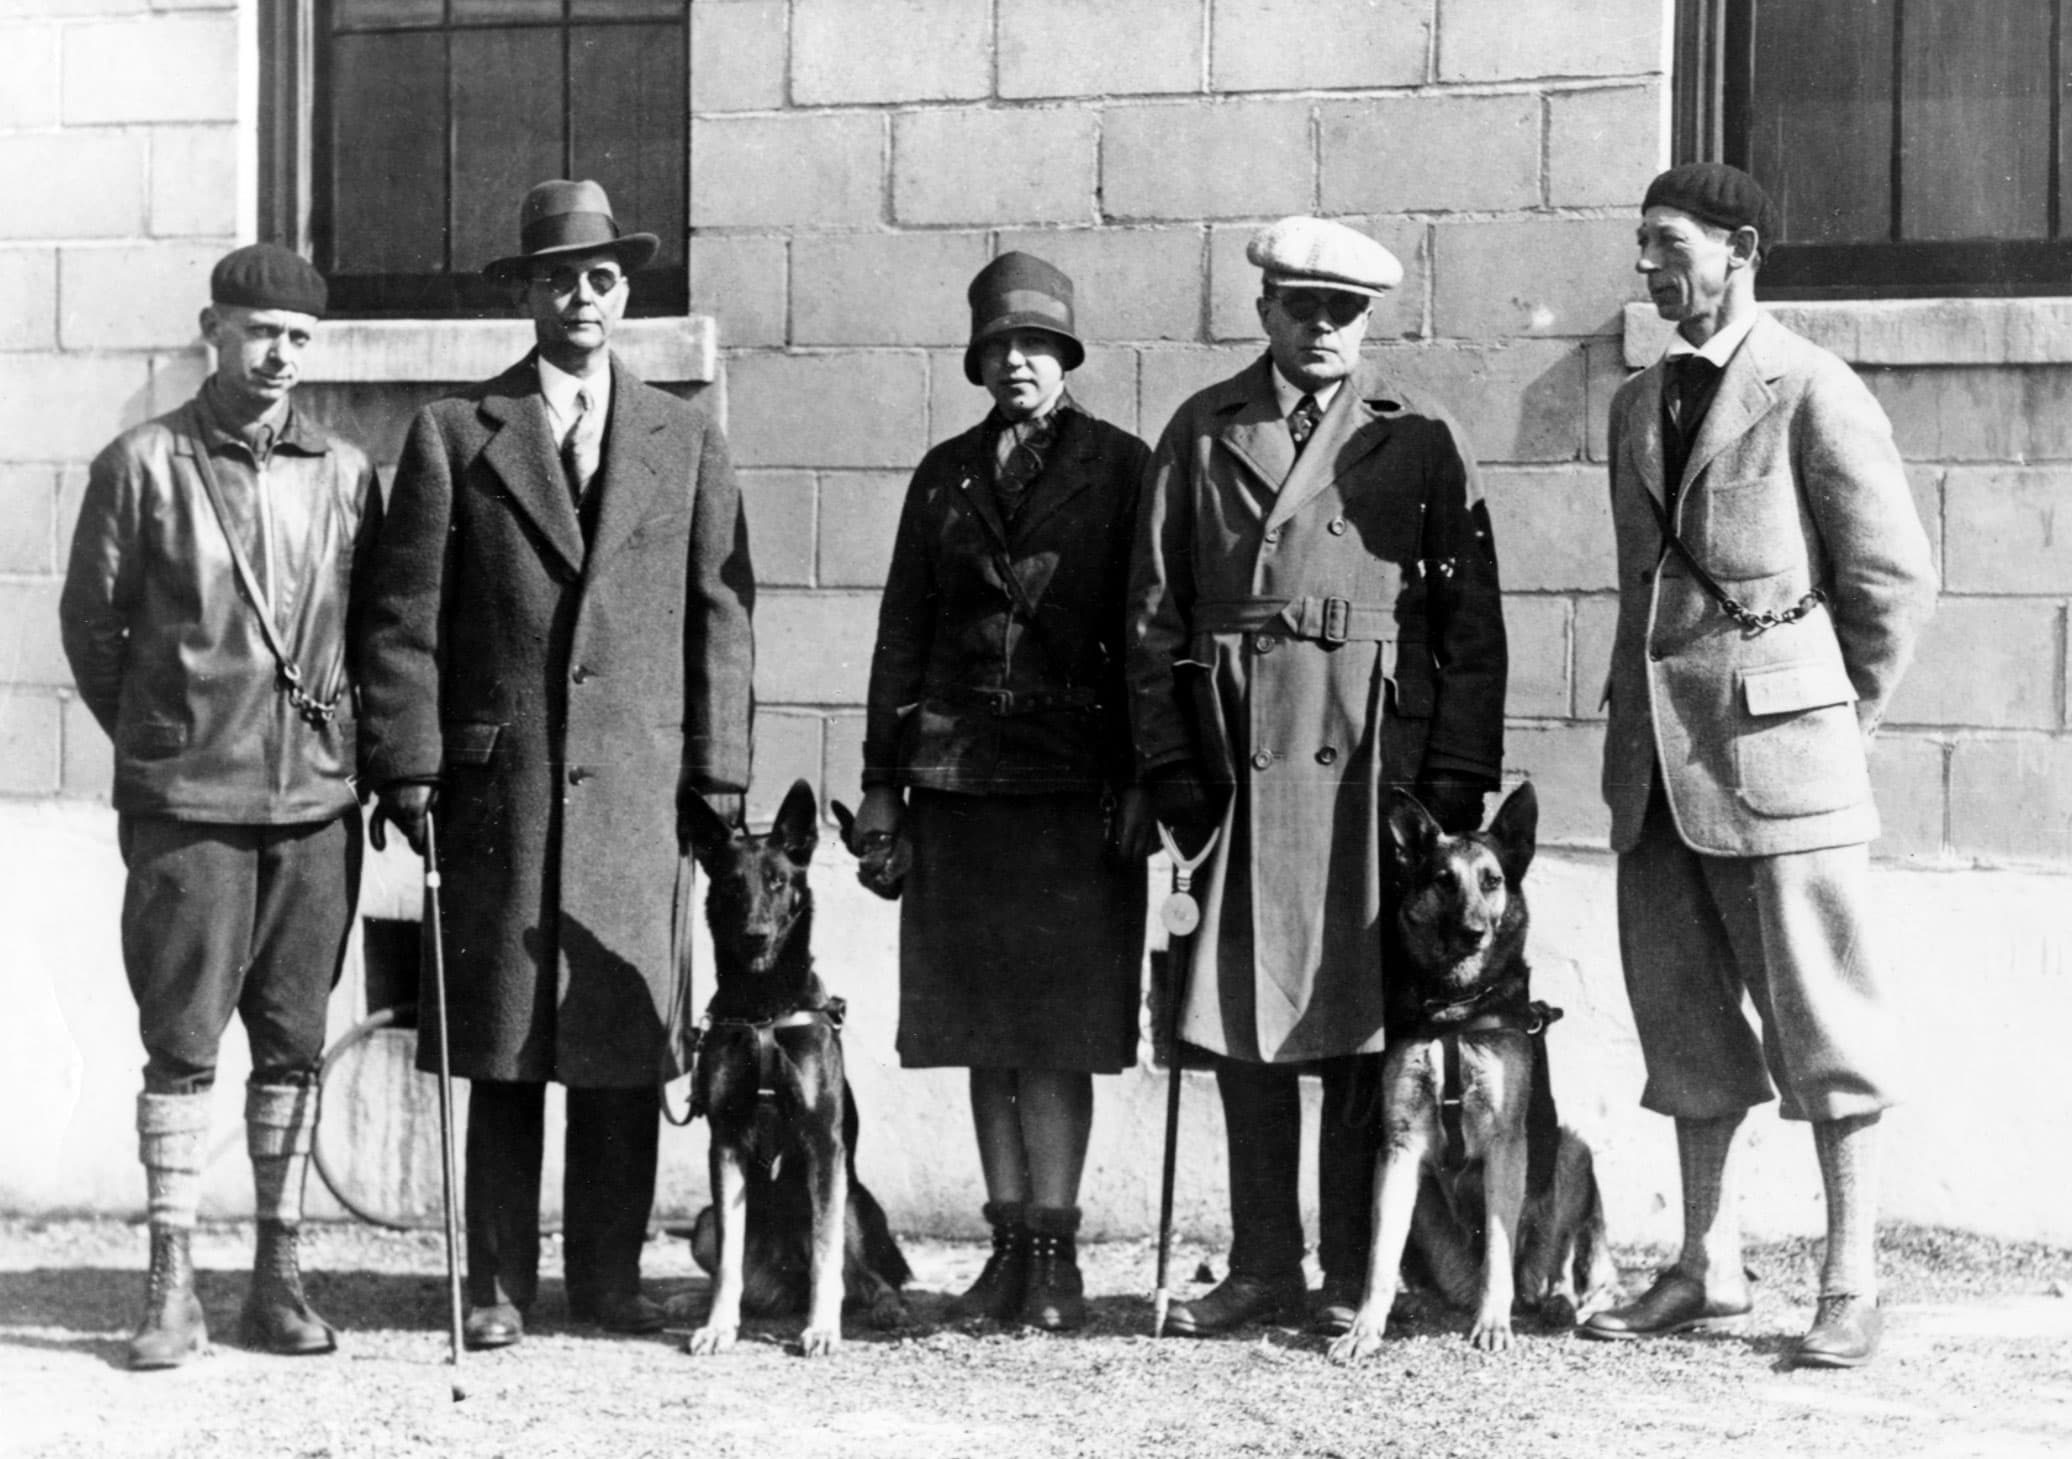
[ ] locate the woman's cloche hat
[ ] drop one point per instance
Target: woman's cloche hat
(561, 219)
(1021, 291)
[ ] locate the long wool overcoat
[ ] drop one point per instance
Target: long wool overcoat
(1309, 631)
(556, 689)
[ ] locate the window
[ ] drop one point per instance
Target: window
(398, 137)
(1914, 147)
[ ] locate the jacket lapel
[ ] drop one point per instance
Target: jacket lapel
(975, 484)
(1744, 398)
(1352, 429)
(1645, 440)
(1067, 473)
(634, 439)
(1255, 432)
(521, 452)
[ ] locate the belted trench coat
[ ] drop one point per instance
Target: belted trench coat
(1309, 631)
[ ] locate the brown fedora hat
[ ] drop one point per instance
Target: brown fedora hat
(561, 218)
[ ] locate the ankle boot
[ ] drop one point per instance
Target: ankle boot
(277, 1316)
(173, 1329)
(998, 1291)
(1055, 1299)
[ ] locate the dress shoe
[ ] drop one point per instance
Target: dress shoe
(1337, 1305)
(1238, 1299)
(624, 1312)
(1675, 1303)
(496, 1325)
(1844, 1334)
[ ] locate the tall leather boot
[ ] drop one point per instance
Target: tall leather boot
(280, 1128)
(171, 1129)
(1055, 1299)
(1004, 1279)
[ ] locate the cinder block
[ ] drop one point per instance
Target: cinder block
(850, 408)
(1081, 48)
(1604, 371)
(1498, 40)
(1129, 283)
(1597, 623)
(86, 184)
(1432, 152)
(2002, 525)
(28, 519)
(28, 76)
(741, 282)
(1604, 147)
(1907, 775)
(1985, 662)
(29, 743)
(1962, 414)
(71, 493)
(176, 69)
(1560, 277)
(32, 654)
(135, 297)
(1565, 764)
(1311, 45)
(1234, 280)
(1025, 165)
(1537, 626)
(2046, 413)
(738, 56)
(1106, 385)
(859, 517)
(781, 526)
(1167, 377)
(66, 407)
(376, 417)
(798, 170)
(176, 377)
(1519, 402)
(1926, 484)
(1207, 160)
(787, 748)
(846, 51)
(55, 9)
(814, 648)
(194, 182)
(883, 288)
(2011, 800)
(28, 299)
(88, 766)
(1553, 528)
(845, 758)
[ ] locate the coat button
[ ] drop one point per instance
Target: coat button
(1261, 759)
(1263, 643)
(1647, 575)
(579, 673)
(1273, 537)
(1654, 656)
(577, 774)
(1337, 526)
(1327, 754)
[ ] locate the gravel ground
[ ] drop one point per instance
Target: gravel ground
(1978, 1361)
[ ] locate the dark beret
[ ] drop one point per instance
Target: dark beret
(267, 276)
(1713, 192)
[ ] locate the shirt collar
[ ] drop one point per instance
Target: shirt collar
(1719, 349)
(283, 425)
(1059, 406)
(1289, 394)
(560, 387)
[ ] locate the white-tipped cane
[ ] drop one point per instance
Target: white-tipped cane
(1181, 915)
(449, 1159)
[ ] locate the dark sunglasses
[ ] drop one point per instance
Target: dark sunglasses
(1304, 305)
(602, 279)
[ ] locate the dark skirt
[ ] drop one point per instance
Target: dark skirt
(1021, 937)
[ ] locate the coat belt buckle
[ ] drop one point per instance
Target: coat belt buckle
(1337, 617)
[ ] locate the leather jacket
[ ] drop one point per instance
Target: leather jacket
(166, 646)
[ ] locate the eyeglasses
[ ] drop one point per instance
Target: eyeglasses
(602, 279)
(1304, 305)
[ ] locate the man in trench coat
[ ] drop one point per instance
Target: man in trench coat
(1314, 617)
(1773, 579)
(556, 641)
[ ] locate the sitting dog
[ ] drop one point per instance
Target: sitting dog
(790, 1223)
(1472, 1156)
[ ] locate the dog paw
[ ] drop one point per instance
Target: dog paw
(709, 1340)
(1558, 1310)
(1361, 1341)
(1492, 1334)
(888, 1310)
(820, 1342)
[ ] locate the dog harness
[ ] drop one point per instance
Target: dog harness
(1447, 1024)
(770, 1058)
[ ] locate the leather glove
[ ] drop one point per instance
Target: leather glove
(1132, 830)
(874, 837)
(1182, 800)
(404, 804)
(1454, 800)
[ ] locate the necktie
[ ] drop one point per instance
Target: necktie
(579, 448)
(1689, 378)
(1018, 460)
(1302, 420)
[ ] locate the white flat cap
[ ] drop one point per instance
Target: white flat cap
(1315, 253)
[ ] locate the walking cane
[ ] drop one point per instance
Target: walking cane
(1181, 915)
(449, 1161)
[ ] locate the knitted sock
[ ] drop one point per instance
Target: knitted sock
(280, 1129)
(1848, 1151)
(1711, 1210)
(171, 1132)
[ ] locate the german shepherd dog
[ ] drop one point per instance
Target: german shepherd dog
(790, 1225)
(1500, 1174)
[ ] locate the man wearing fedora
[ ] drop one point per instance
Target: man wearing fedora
(557, 656)
(1773, 579)
(204, 615)
(1314, 618)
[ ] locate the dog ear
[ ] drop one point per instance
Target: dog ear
(1515, 830)
(798, 822)
(845, 820)
(1411, 828)
(708, 832)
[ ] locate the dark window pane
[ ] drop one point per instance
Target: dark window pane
(1975, 119)
(1820, 117)
(507, 134)
(387, 203)
(628, 10)
(385, 14)
(629, 103)
(504, 12)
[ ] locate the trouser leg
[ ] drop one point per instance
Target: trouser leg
(306, 887)
(506, 1128)
(608, 1188)
(1348, 1139)
(187, 912)
(1262, 1117)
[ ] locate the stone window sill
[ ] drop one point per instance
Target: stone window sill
(437, 351)
(1879, 332)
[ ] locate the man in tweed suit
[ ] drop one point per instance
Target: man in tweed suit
(1773, 576)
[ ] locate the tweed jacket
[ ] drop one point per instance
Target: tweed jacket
(166, 647)
(556, 689)
(1308, 631)
(968, 693)
(1793, 483)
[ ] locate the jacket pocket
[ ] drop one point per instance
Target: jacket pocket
(154, 739)
(1750, 528)
(1804, 756)
(471, 744)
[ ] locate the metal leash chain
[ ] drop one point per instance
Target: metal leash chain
(1755, 623)
(316, 713)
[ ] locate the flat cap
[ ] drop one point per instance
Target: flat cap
(268, 276)
(1715, 193)
(1316, 253)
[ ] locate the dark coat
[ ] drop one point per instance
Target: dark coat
(1309, 631)
(556, 690)
(968, 694)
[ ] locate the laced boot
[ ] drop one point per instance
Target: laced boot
(1055, 1299)
(280, 1130)
(277, 1316)
(173, 1329)
(998, 1291)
